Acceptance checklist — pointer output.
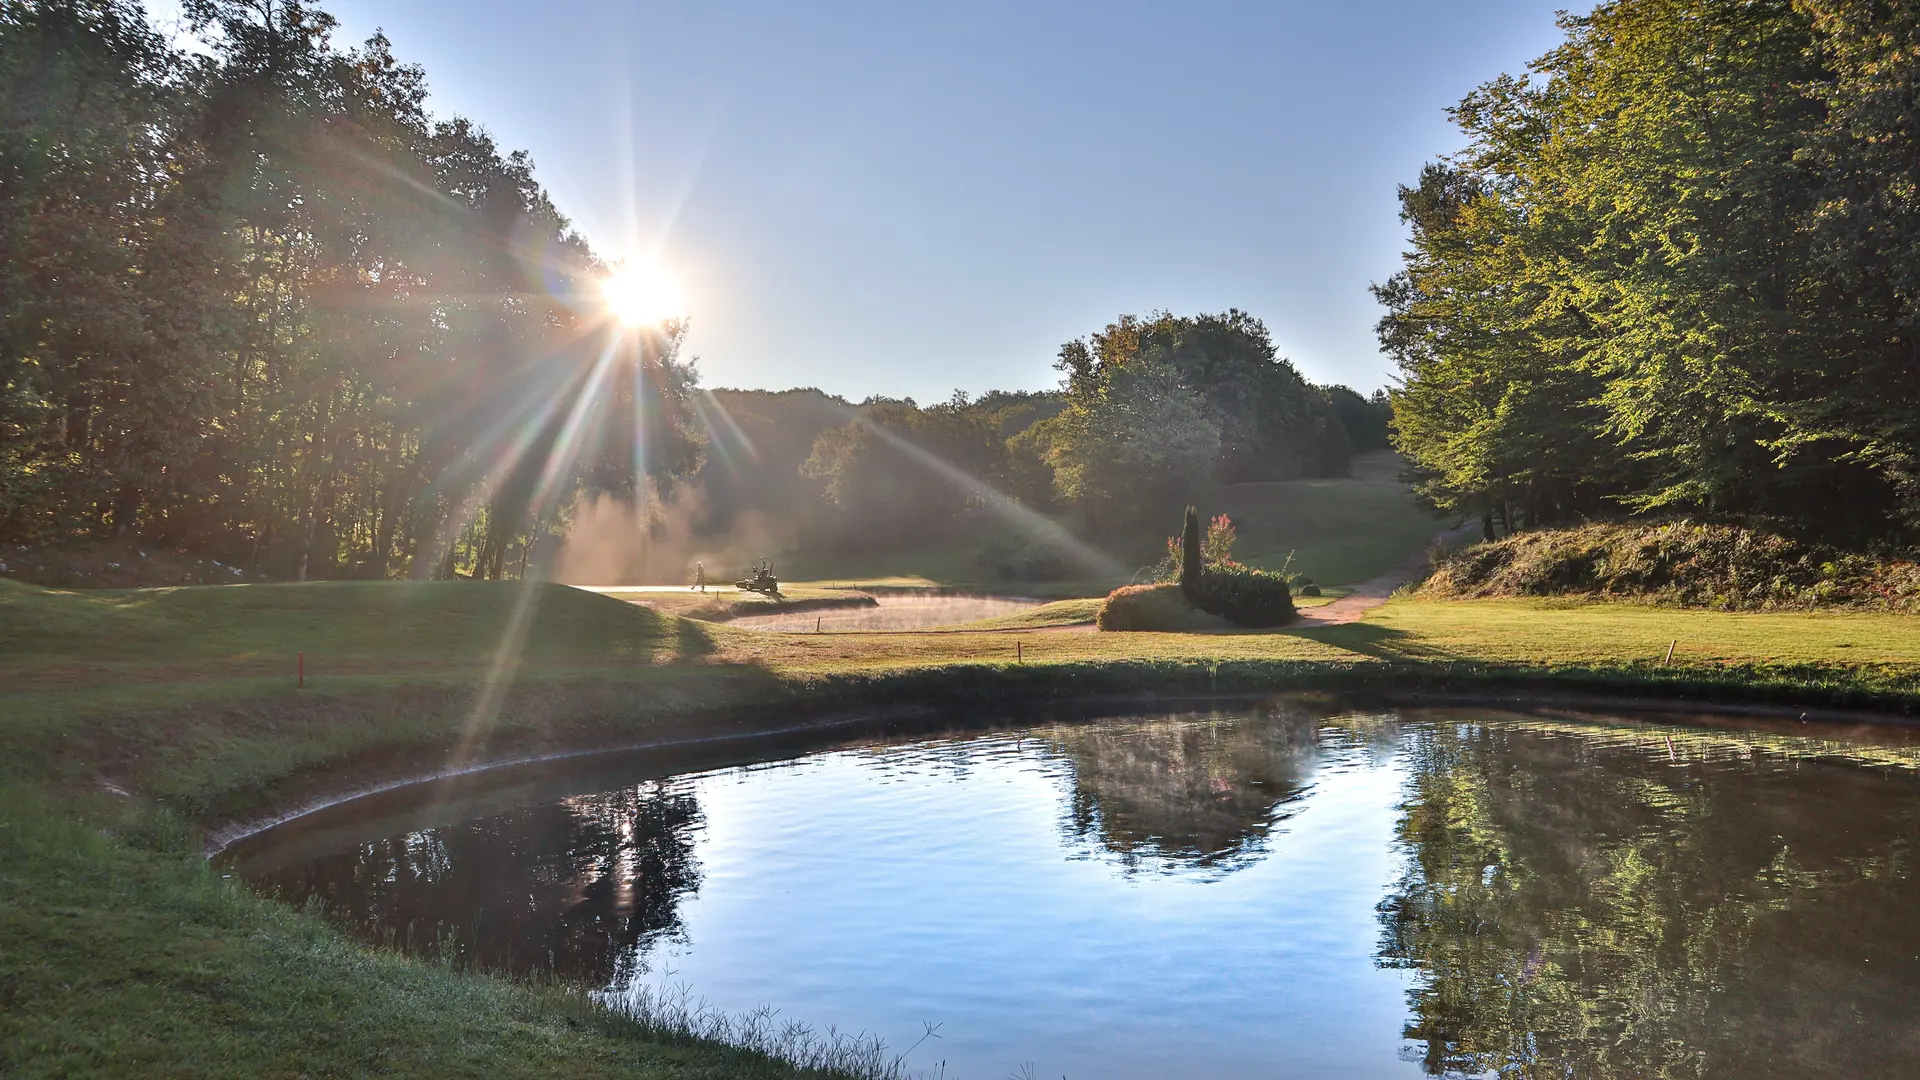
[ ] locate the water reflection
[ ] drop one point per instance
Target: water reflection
(1189, 792)
(580, 888)
(1577, 907)
(1287, 890)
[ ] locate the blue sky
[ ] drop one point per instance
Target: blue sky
(906, 199)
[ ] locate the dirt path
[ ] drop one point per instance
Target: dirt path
(1372, 593)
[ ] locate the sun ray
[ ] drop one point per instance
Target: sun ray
(1036, 527)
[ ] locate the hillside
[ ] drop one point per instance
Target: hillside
(1681, 562)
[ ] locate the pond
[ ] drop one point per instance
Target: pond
(1289, 889)
(892, 613)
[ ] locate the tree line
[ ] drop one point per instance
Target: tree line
(256, 302)
(1676, 268)
(1151, 410)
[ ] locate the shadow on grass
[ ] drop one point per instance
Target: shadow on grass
(1367, 639)
(693, 639)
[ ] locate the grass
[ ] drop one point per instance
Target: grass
(125, 955)
(1560, 632)
(121, 953)
(1339, 531)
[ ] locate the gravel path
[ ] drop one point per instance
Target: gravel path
(1374, 592)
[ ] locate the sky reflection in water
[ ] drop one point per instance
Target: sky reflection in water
(1272, 892)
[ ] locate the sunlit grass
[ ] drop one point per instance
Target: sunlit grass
(186, 699)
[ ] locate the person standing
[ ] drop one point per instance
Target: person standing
(700, 576)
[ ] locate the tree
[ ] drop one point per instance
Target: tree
(898, 473)
(258, 303)
(1273, 424)
(1364, 419)
(1666, 274)
(1192, 568)
(1133, 438)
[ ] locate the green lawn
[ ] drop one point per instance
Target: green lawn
(121, 953)
(1340, 531)
(1572, 632)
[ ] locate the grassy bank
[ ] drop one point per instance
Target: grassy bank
(1684, 563)
(121, 952)
(125, 956)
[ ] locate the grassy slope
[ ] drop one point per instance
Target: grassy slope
(125, 956)
(1340, 531)
(119, 948)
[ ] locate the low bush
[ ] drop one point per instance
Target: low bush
(1152, 607)
(1243, 595)
(1687, 563)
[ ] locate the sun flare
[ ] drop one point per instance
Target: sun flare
(638, 294)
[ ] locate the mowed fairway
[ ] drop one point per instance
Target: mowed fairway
(173, 646)
(1339, 531)
(1558, 632)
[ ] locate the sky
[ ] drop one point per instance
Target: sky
(909, 199)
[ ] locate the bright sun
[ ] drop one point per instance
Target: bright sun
(638, 294)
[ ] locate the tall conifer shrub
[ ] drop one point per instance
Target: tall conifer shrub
(1190, 556)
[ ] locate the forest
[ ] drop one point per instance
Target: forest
(1675, 269)
(261, 305)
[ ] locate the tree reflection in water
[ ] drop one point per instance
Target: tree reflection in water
(1198, 791)
(575, 889)
(1580, 909)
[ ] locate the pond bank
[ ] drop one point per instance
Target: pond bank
(118, 766)
(556, 721)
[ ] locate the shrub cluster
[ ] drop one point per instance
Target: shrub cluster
(1683, 562)
(1243, 595)
(1146, 607)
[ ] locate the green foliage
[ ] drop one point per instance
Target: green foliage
(1681, 562)
(261, 305)
(1157, 607)
(1366, 420)
(1245, 596)
(1673, 269)
(1272, 424)
(1132, 438)
(898, 474)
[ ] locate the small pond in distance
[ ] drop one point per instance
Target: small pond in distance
(891, 613)
(1287, 890)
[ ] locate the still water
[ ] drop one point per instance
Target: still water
(1288, 890)
(892, 613)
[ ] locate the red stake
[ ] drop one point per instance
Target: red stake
(301, 668)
